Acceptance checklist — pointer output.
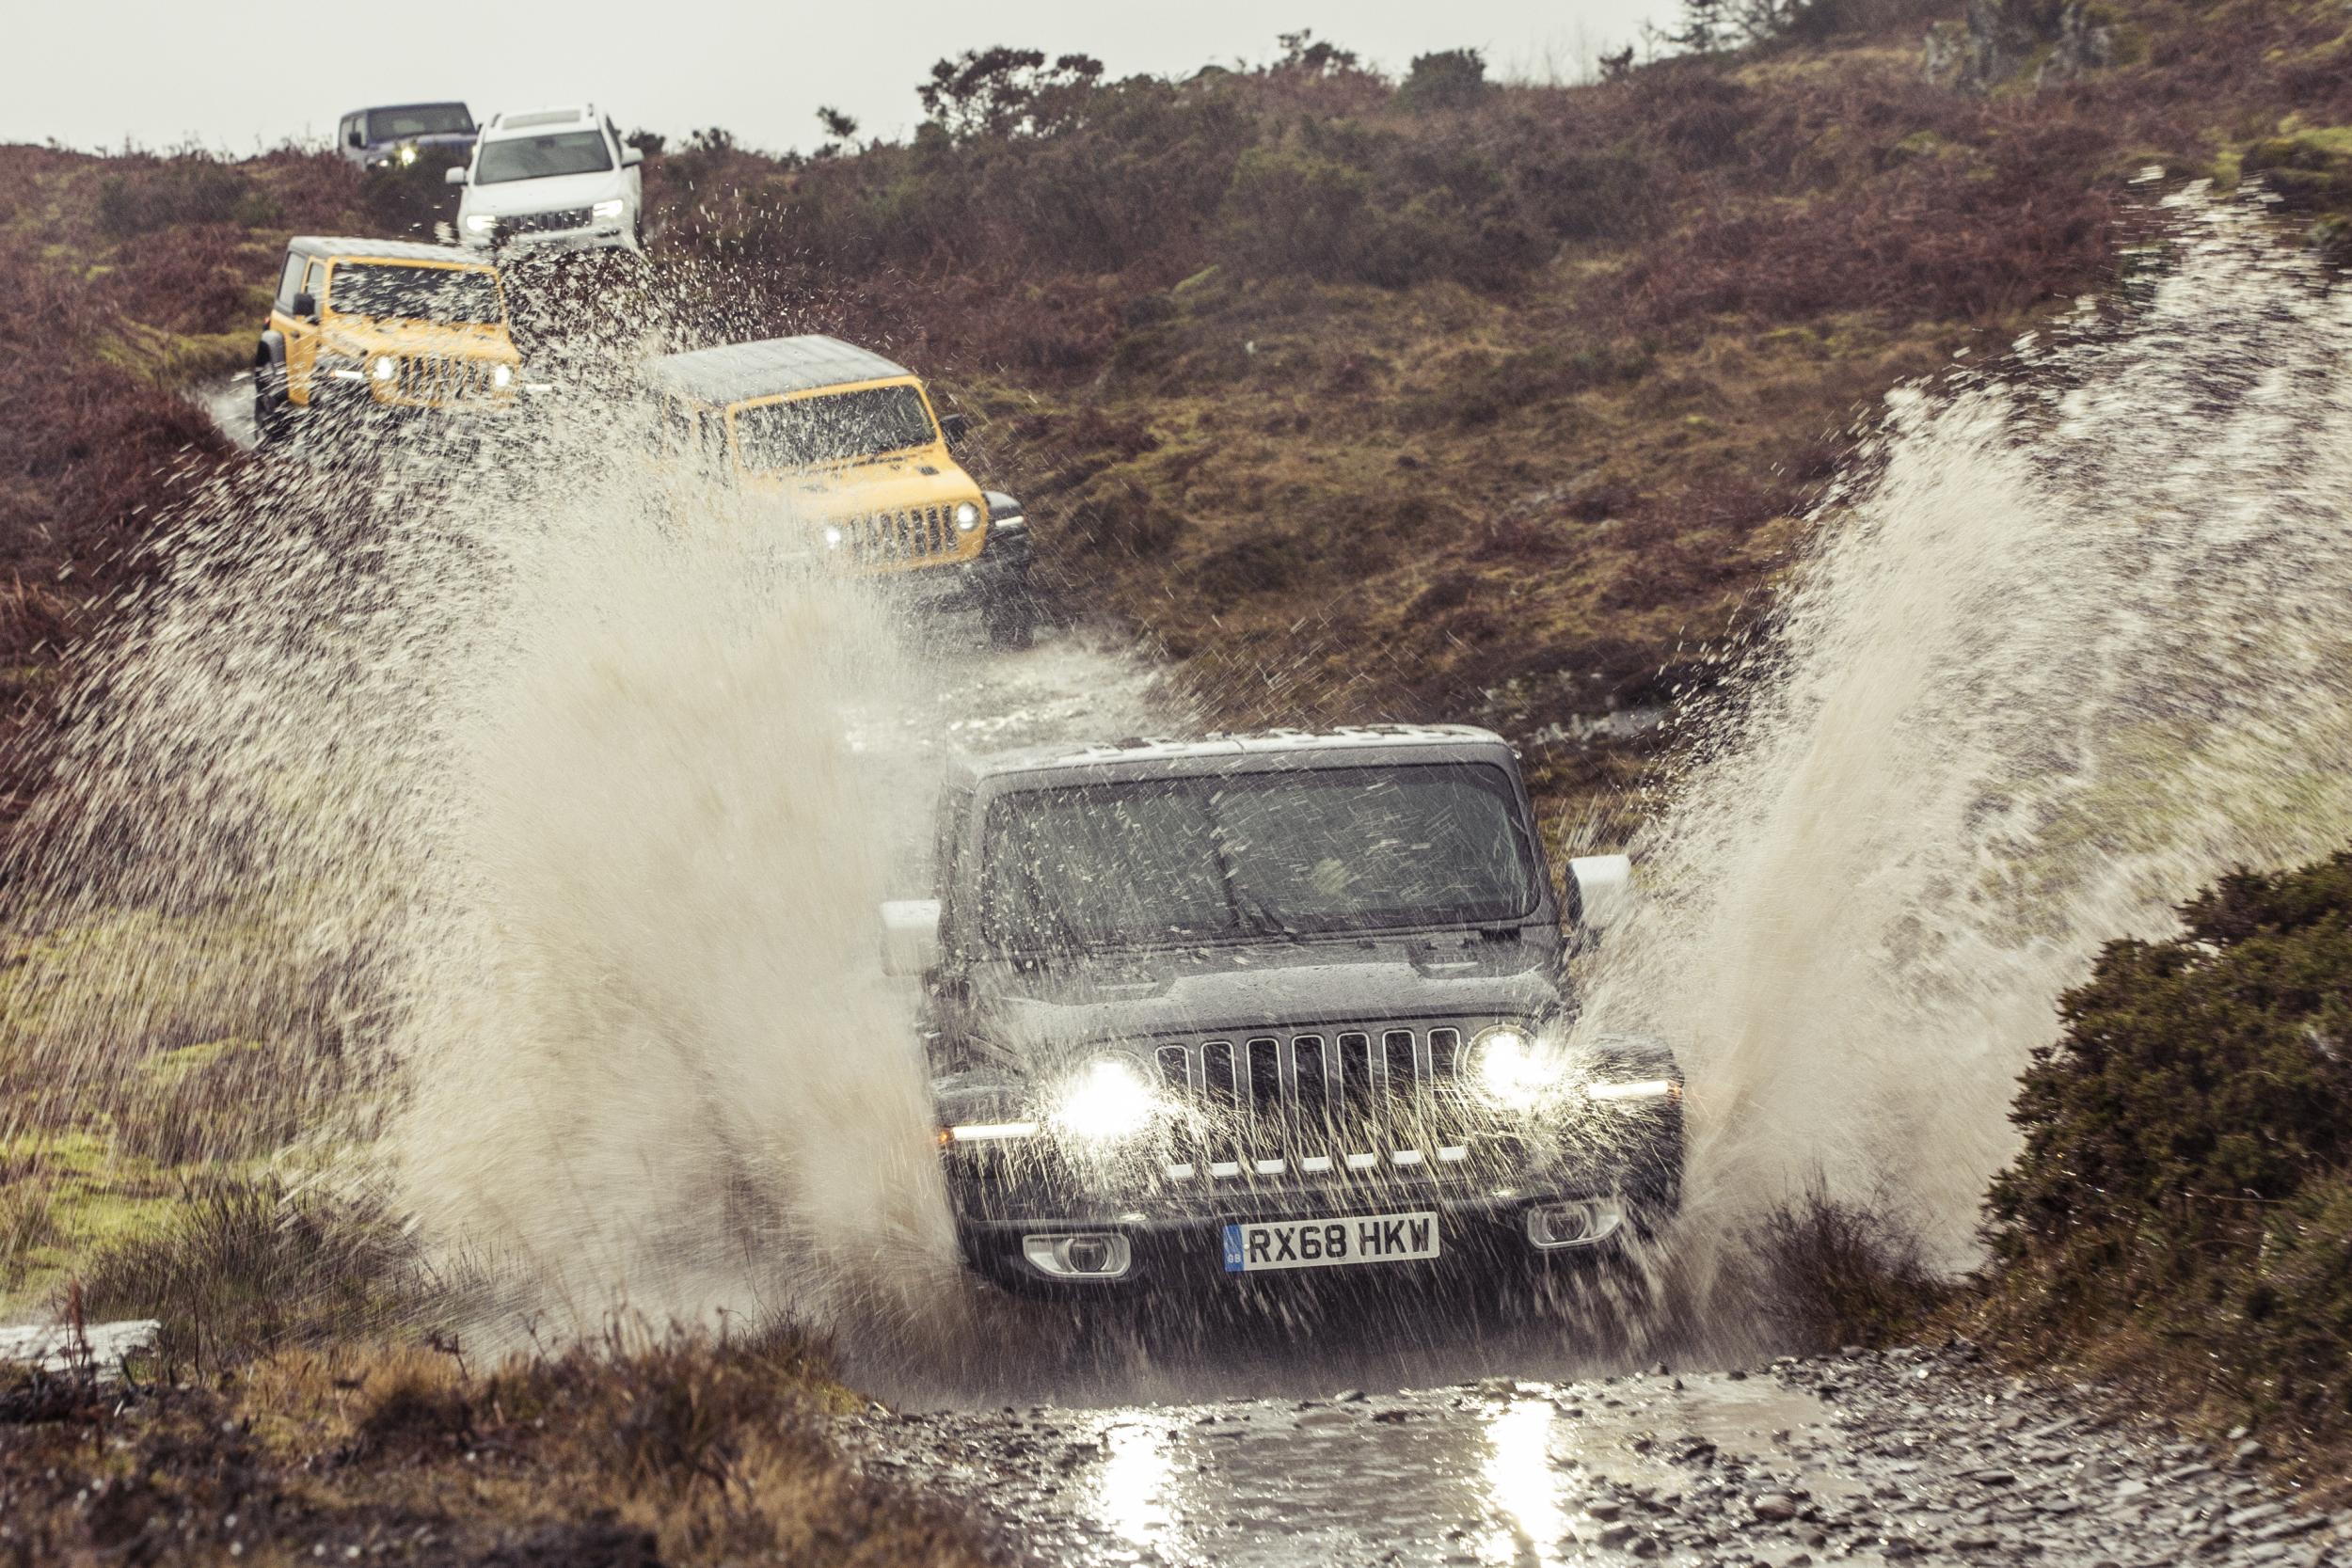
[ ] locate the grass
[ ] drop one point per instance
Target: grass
(649, 1447)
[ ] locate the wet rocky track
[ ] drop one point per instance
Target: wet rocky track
(1912, 1456)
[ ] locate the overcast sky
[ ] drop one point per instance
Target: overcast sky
(235, 75)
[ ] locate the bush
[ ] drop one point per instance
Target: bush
(2182, 1183)
(190, 189)
(247, 1266)
(1451, 79)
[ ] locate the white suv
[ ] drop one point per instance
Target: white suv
(551, 179)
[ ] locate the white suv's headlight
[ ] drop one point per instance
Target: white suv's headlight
(1106, 1100)
(481, 223)
(609, 208)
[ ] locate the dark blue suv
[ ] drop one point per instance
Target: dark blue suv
(377, 138)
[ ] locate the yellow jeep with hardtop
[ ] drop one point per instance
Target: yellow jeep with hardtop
(382, 328)
(845, 446)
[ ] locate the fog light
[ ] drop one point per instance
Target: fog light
(1079, 1255)
(1584, 1223)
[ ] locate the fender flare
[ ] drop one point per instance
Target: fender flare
(271, 350)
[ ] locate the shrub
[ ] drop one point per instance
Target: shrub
(2182, 1183)
(247, 1266)
(188, 188)
(1450, 79)
(1828, 1272)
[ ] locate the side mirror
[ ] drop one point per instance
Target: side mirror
(357, 140)
(1603, 886)
(306, 307)
(631, 157)
(955, 427)
(909, 936)
(454, 175)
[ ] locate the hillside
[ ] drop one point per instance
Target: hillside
(1439, 397)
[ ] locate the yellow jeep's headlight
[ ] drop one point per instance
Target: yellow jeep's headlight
(967, 516)
(1106, 1100)
(383, 368)
(501, 376)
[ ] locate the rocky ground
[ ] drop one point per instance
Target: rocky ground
(1909, 1455)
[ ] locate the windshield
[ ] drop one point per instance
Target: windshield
(1173, 861)
(836, 427)
(420, 120)
(539, 157)
(456, 296)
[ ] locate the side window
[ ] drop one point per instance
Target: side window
(289, 283)
(314, 282)
(350, 132)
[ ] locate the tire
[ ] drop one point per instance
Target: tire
(272, 416)
(1011, 622)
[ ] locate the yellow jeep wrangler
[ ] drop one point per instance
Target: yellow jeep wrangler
(381, 325)
(847, 444)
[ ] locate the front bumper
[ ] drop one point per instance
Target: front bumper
(1174, 1237)
(999, 571)
(605, 236)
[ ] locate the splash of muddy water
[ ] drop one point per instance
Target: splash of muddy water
(2074, 645)
(510, 827)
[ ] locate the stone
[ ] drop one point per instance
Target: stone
(1774, 1508)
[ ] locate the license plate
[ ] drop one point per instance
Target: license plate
(1325, 1244)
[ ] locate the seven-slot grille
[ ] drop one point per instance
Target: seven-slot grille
(891, 536)
(542, 223)
(437, 379)
(1322, 1104)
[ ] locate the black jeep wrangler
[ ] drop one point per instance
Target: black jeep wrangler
(1251, 1005)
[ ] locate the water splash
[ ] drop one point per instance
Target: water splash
(2070, 643)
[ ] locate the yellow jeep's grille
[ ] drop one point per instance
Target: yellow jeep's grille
(899, 538)
(436, 380)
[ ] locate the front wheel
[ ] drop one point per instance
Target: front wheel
(1012, 620)
(271, 414)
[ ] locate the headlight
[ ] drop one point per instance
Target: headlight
(609, 208)
(408, 152)
(1104, 1100)
(833, 536)
(481, 223)
(501, 376)
(383, 368)
(967, 516)
(1510, 1069)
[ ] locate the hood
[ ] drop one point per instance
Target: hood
(547, 193)
(923, 478)
(358, 336)
(1318, 985)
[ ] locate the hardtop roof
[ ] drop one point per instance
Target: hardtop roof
(380, 251)
(1262, 751)
(731, 373)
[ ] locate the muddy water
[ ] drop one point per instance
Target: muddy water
(1906, 1457)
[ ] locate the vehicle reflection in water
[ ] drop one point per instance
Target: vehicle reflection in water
(1132, 1490)
(1525, 1493)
